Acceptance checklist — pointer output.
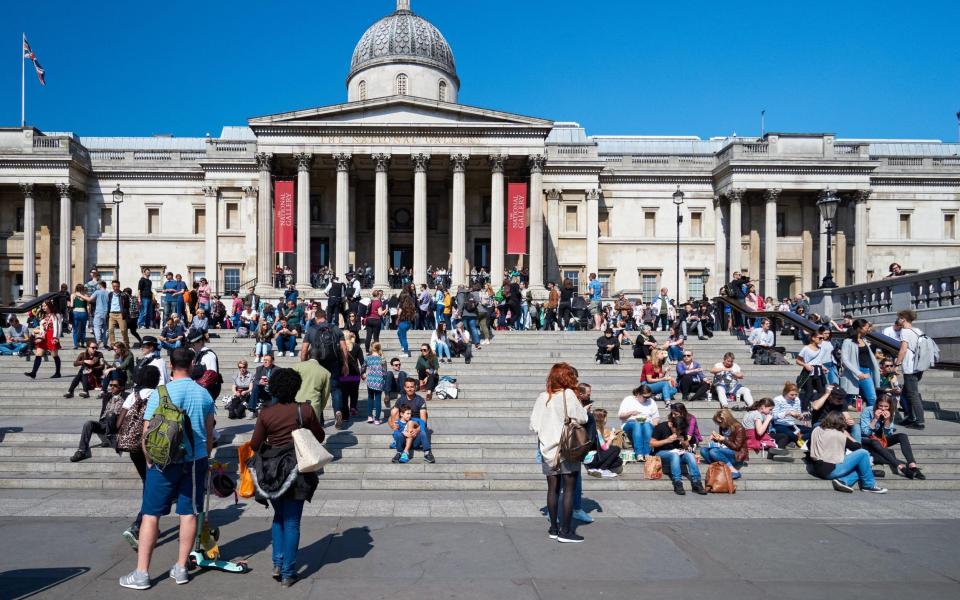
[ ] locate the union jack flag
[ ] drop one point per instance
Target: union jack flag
(29, 53)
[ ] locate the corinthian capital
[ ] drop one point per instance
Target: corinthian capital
(459, 162)
(264, 160)
(304, 159)
(496, 162)
(772, 194)
(553, 195)
(343, 161)
(210, 191)
(861, 195)
(64, 190)
(250, 191)
(593, 195)
(27, 189)
(382, 162)
(537, 162)
(420, 162)
(736, 195)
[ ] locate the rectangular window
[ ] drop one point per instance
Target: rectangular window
(231, 280)
(606, 280)
(650, 224)
(694, 286)
(106, 219)
(196, 274)
(153, 220)
(950, 226)
(232, 216)
(106, 274)
(649, 285)
(604, 222)
(904, 226)
(572, 217)
(156, 275)
(199, 221)
(696, 225)
(573, 276)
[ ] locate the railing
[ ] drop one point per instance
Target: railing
(842, 148)
(26, 307)
(757, 148)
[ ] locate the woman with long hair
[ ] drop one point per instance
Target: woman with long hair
(881, 435)
(47, 339)
(428, 367)
(275, 460)
(654, 374)
(830, 459)
(406, 315)
(439, 342)
(728, 444)
(78, 303)
(566, 296)
(350, 383)
(861, 373)
(813, 376)
(550, 411)
(134, 315)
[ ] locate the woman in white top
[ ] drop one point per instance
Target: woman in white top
(826, 356)
(439, 342)
(549, 412)
(639, 415)
(813, 378)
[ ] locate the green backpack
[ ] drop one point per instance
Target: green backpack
(168, 433)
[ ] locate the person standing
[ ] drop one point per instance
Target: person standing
(101, 308)
(145, 290)
(662, 308)
(405, 319)
(909, 337)
(326, 343)
(861, 373)
(596, 296)
(183, 482)
(48, 340)
(169, 291)
(79, 302)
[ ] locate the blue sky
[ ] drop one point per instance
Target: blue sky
(858, 69)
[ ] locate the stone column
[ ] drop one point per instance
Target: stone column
(593, 231)
(735, 196)
(352, 253)
(250, 233)
(265, 226)
(341, 254)
(719, 245)
(66, 235)
(29, 243)
(537, 162)
(861, 229)
(211, 260)
(304, 161)
(381, 253)
(770, 242)
(822, 259)
(459, 219)
(553, 231)
(420, 164)
(497, 231)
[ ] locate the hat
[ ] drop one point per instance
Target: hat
(149, 339)
(194, 335)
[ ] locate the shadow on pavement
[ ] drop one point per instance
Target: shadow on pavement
(355, 542)
(24, 583)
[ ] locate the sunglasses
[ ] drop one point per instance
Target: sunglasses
(688, 356)
(424, 349)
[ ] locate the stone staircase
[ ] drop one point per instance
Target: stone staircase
(481, 440)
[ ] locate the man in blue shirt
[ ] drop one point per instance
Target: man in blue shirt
(169, 291)
(596, 295)
(181, 289)
(101, 302)
(183, 482)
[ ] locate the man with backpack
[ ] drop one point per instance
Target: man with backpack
(206, 364)
(325, 343)
(178, 438)
(917, 353)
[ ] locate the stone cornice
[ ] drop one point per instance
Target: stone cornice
(33, 163)
(784, 169)
(148, 175)
(572, 169)
(657, 179)
(382, 134)
(918, 181)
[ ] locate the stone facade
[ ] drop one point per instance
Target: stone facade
(407, 176)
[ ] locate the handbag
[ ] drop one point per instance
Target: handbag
(574, 440)
(131, 430)
(719, 480)
(311, 455)
(246, 488)
(653, 468)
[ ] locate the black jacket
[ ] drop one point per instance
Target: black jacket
(276, 476)
(124, 304)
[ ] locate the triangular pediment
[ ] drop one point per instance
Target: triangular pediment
(399, 111)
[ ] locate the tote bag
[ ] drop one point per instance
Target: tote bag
(311, 455)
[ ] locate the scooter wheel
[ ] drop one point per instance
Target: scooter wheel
(191, 562)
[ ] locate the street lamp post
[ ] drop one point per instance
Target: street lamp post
(117, 201)
(706, 278)
(827, 204)
(678, 201)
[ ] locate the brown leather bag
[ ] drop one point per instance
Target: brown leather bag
(719, 480)
(653, 468)
(574, 440)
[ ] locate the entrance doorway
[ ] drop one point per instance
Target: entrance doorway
(785, 286)
(481, 253)
(320, 253)
(401, 256)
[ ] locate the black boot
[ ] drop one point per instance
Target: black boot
(56, 363)
(36, 367)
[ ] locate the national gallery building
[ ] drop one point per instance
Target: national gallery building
(402, 174)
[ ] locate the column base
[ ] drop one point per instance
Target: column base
(267, 291)
(539, 292)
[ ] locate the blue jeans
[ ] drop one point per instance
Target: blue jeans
(263, 349)
(169, 307)
(675, 353)
(374, 407)
(663, 388)
(286, 534)
(402, 328)
(146, 313)
(422, 441)
(855, 467)
(170, 347)
(438, 315)
(286, 343)
(336, 394)
(80, 328)
(869, 394)
(441, 348)
(473, 328)
(724, 455)
(12, 349)
(100, 329)
(674, 460)
(254, 398)
(833, 378)
(639, 435)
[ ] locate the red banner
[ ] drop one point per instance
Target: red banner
(517, 218)
(283, 216)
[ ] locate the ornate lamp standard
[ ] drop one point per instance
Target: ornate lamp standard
(678, 201)
(827, 204)
(117, 201)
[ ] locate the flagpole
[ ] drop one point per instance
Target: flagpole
(23, 86)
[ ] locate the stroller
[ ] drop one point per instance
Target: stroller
(580, 321)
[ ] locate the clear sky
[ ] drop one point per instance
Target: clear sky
(855, 68)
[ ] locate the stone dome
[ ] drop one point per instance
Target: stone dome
(403, 37)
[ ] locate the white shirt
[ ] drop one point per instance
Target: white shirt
(132, 398)
(759, 337)
(162, 367)
(209, 360)
(912, 337)
(810, 356)
(826, 353)
(646, 409)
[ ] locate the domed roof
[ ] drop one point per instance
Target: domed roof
(405, 38)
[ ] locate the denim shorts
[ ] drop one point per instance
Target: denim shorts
(184, 483)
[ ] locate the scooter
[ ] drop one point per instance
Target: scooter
(206, 551)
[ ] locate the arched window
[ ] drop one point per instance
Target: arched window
(402, 84)
(442, 92)
(363, 90)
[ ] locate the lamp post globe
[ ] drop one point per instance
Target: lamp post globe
(827, 205)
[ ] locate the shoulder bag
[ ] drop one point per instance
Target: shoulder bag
(719, 480)
(574, 440)
(311, 455)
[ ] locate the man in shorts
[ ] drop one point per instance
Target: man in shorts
(182, 482)
(596, 295)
